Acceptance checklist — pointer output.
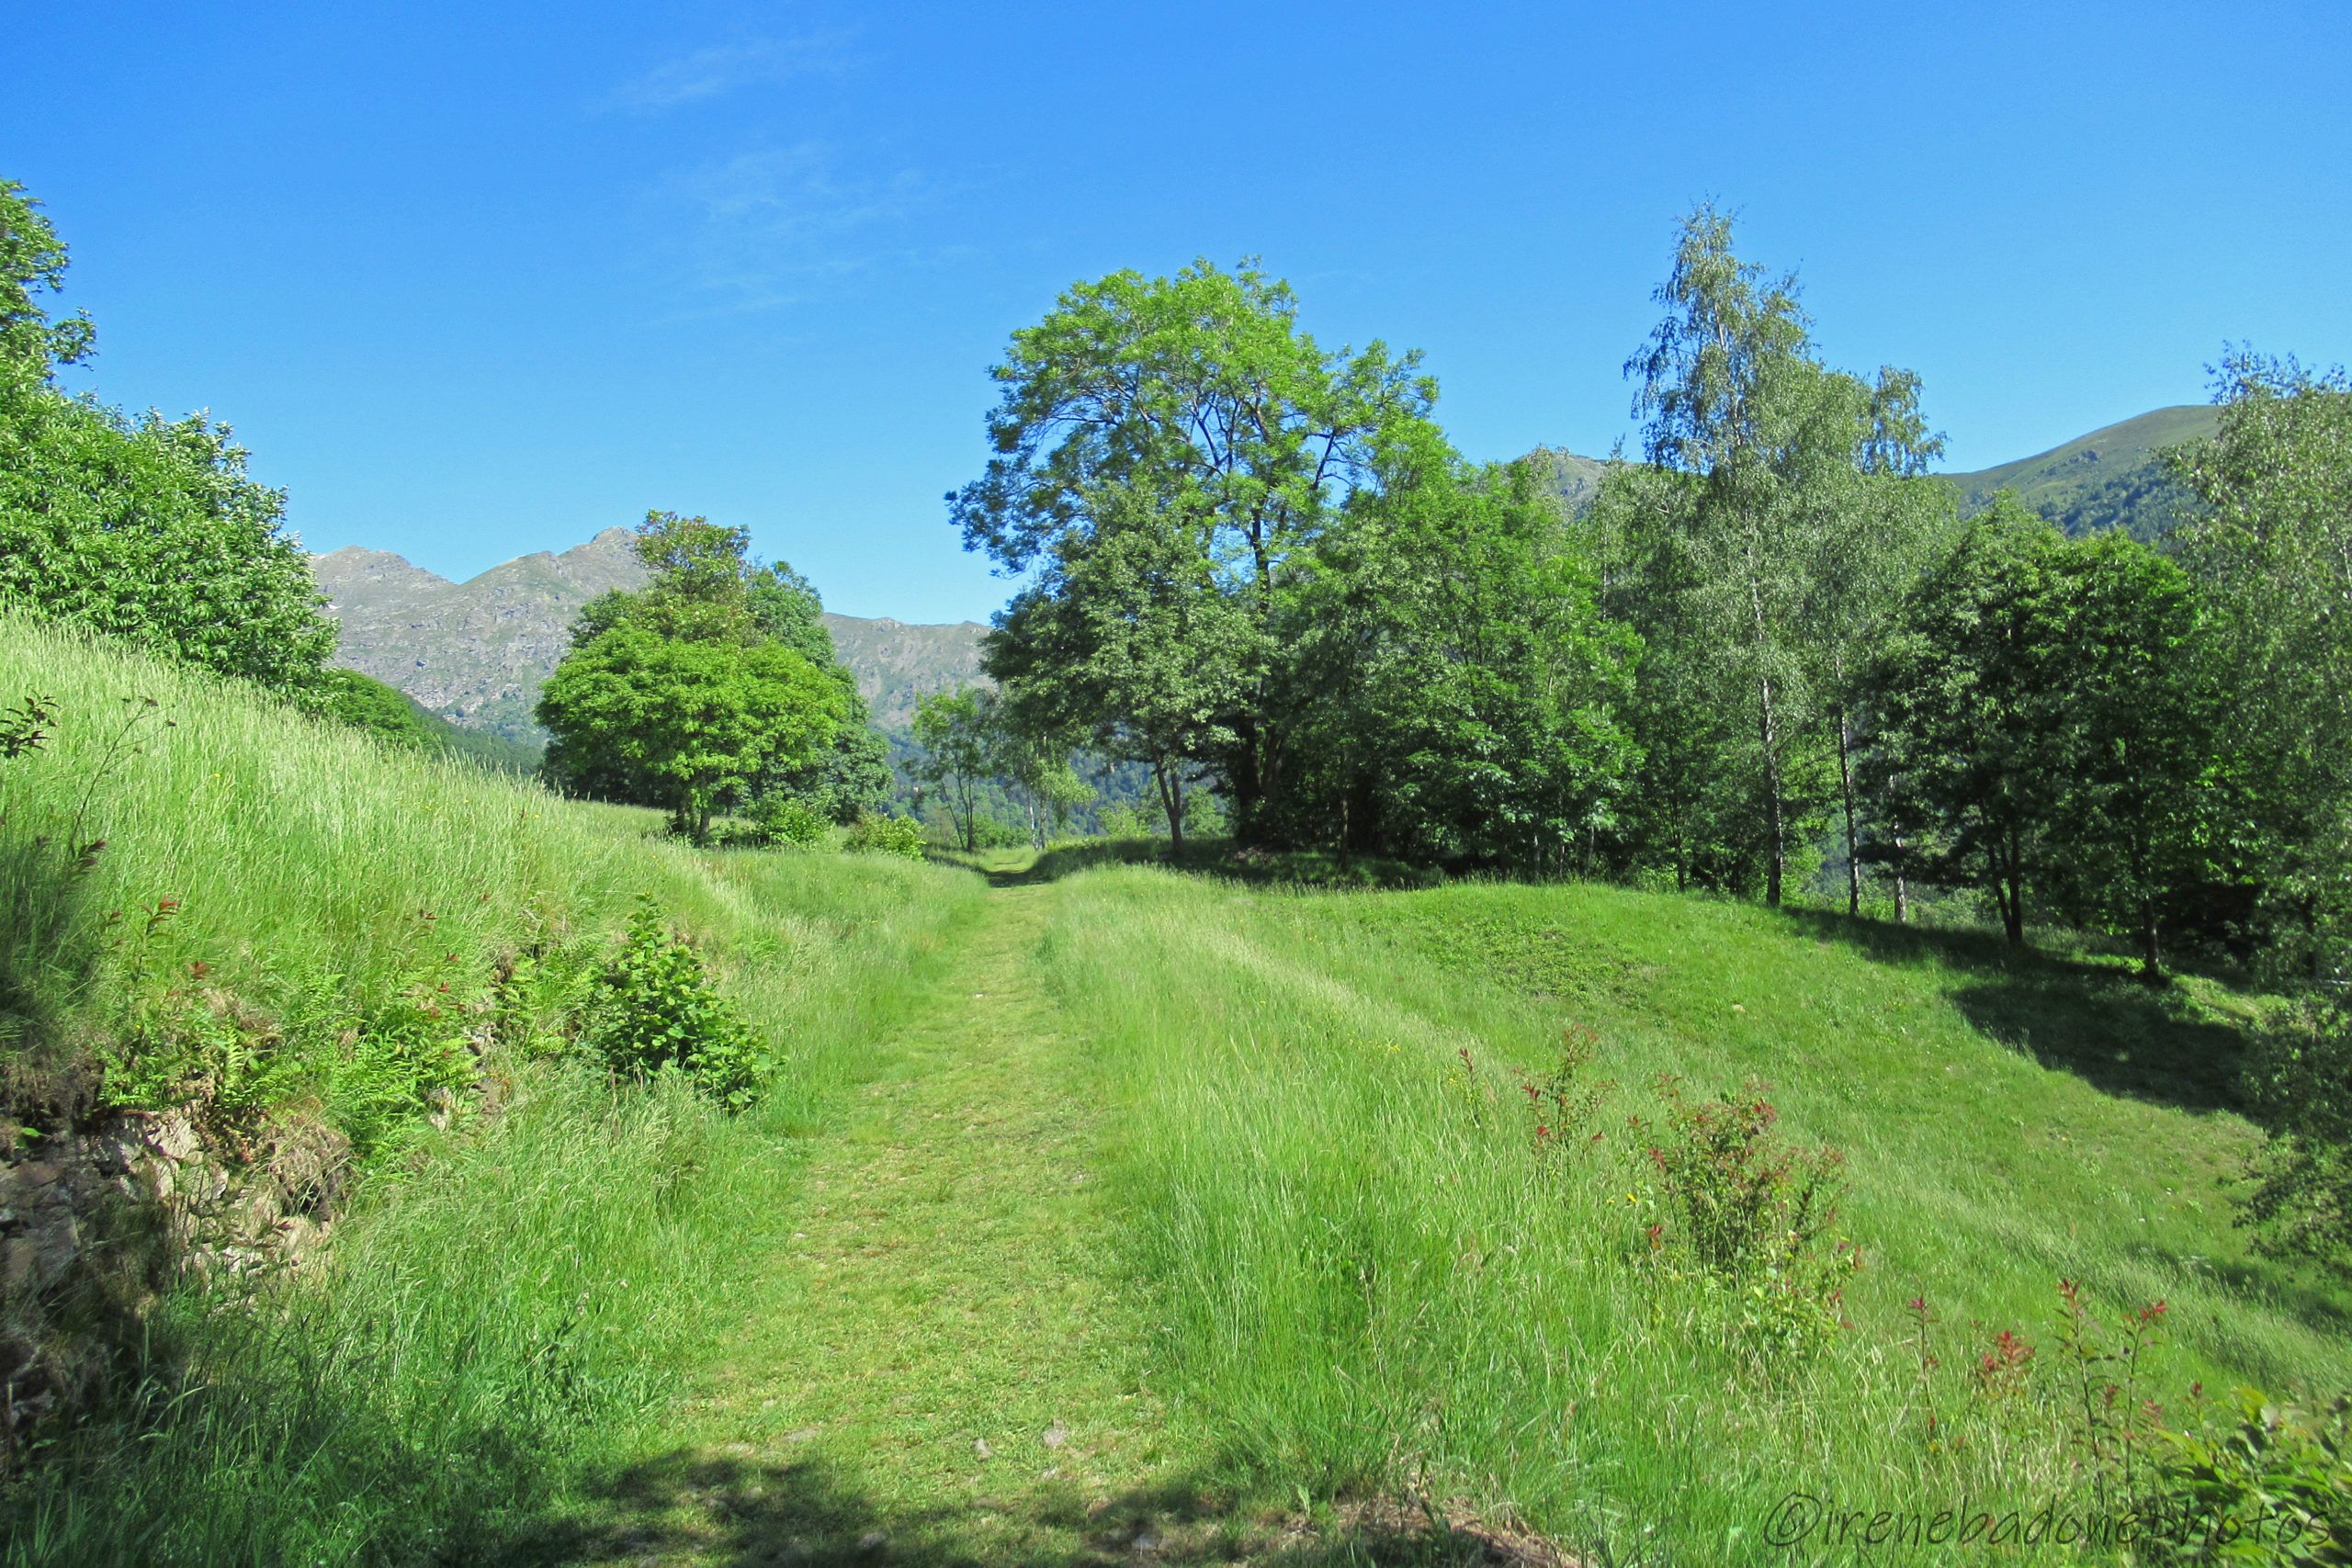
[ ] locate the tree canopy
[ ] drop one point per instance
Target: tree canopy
(147, 528)
(714, 686)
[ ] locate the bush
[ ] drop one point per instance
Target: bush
(787, 819)
(887, 834)
(2300, 1080)
(1757, 1214)
(655, 1010)
(2254, 1464)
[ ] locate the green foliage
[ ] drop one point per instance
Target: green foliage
(1755, 1212)
(655, 1010)
(715, 684)
(32, 263)
(689, 724)
(1454, 691)
(1171, 448)
(2299, 1080)
(2273, 556)
(366, 703)
(148, 529)
(2050, 723)
(956, 732)
(2260, 1480)
(1781, 511)
(881, 834)
(787, 819)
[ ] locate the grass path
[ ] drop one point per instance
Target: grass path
(939, 1366)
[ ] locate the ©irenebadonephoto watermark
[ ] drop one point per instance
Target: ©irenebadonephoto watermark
(1806, 1520)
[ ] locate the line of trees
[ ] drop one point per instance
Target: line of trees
(1256, 563)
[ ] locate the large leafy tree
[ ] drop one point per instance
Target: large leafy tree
(1458, 692)
(1964, 753)
(2272, 552)
(1200, 392)
(2051, 728)
(707, 587)
(955, 732)
(1780, 508)
(149, 529)
(2151, 787)
(1128, 641)
(686, 724)
(712, 684)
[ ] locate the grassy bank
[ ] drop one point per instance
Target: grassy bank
(504, 1302)
(1371, 1277)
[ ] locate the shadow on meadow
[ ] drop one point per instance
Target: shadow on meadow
(2096, 1021)
(733, 1512)
(1210, 857)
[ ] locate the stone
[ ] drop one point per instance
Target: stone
(38, 1173)
(1055, 1435)
(20, 1262)
(980, 1448)
(173, 1135)
(873, 1541)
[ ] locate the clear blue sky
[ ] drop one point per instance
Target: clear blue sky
(476, 279)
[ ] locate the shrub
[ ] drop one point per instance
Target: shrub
(655, 1010)
(1757, 1214)
(2253, 1463)
(2300, 1079)
(887, 834)
(788, 820)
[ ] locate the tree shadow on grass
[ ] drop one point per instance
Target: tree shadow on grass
(729, 1511)
(2094, 1020)
(1216, 858)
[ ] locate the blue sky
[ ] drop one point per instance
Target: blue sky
(473, 280)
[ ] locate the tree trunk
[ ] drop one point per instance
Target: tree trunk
(1902, 887)
(1774, 812)
(1172, 801)
(1846, 792)
(2151, 970)
(2013, 904)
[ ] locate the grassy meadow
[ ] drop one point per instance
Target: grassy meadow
(1365, 1271)
(508, 1300)
(1099, 1212)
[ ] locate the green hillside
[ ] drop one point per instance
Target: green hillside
(1094, 1204)
(2107, 479)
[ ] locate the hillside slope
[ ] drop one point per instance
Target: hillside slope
(476, 652)
(2110, 477)
(319, 923)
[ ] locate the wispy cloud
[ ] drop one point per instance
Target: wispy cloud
(721, 68)
(776, 226)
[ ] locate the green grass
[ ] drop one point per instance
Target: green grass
(1362, 1283)
(1184, 1166)
(505, 1303)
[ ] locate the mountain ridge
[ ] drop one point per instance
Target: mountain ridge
(476, 651)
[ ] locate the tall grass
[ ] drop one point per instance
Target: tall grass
(1368, 1276)
(504, 1302)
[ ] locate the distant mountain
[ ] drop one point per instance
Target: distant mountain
(2109, 478)
(476, 652)
(1574, 479)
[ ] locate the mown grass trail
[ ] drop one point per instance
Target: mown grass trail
(937, 1363)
